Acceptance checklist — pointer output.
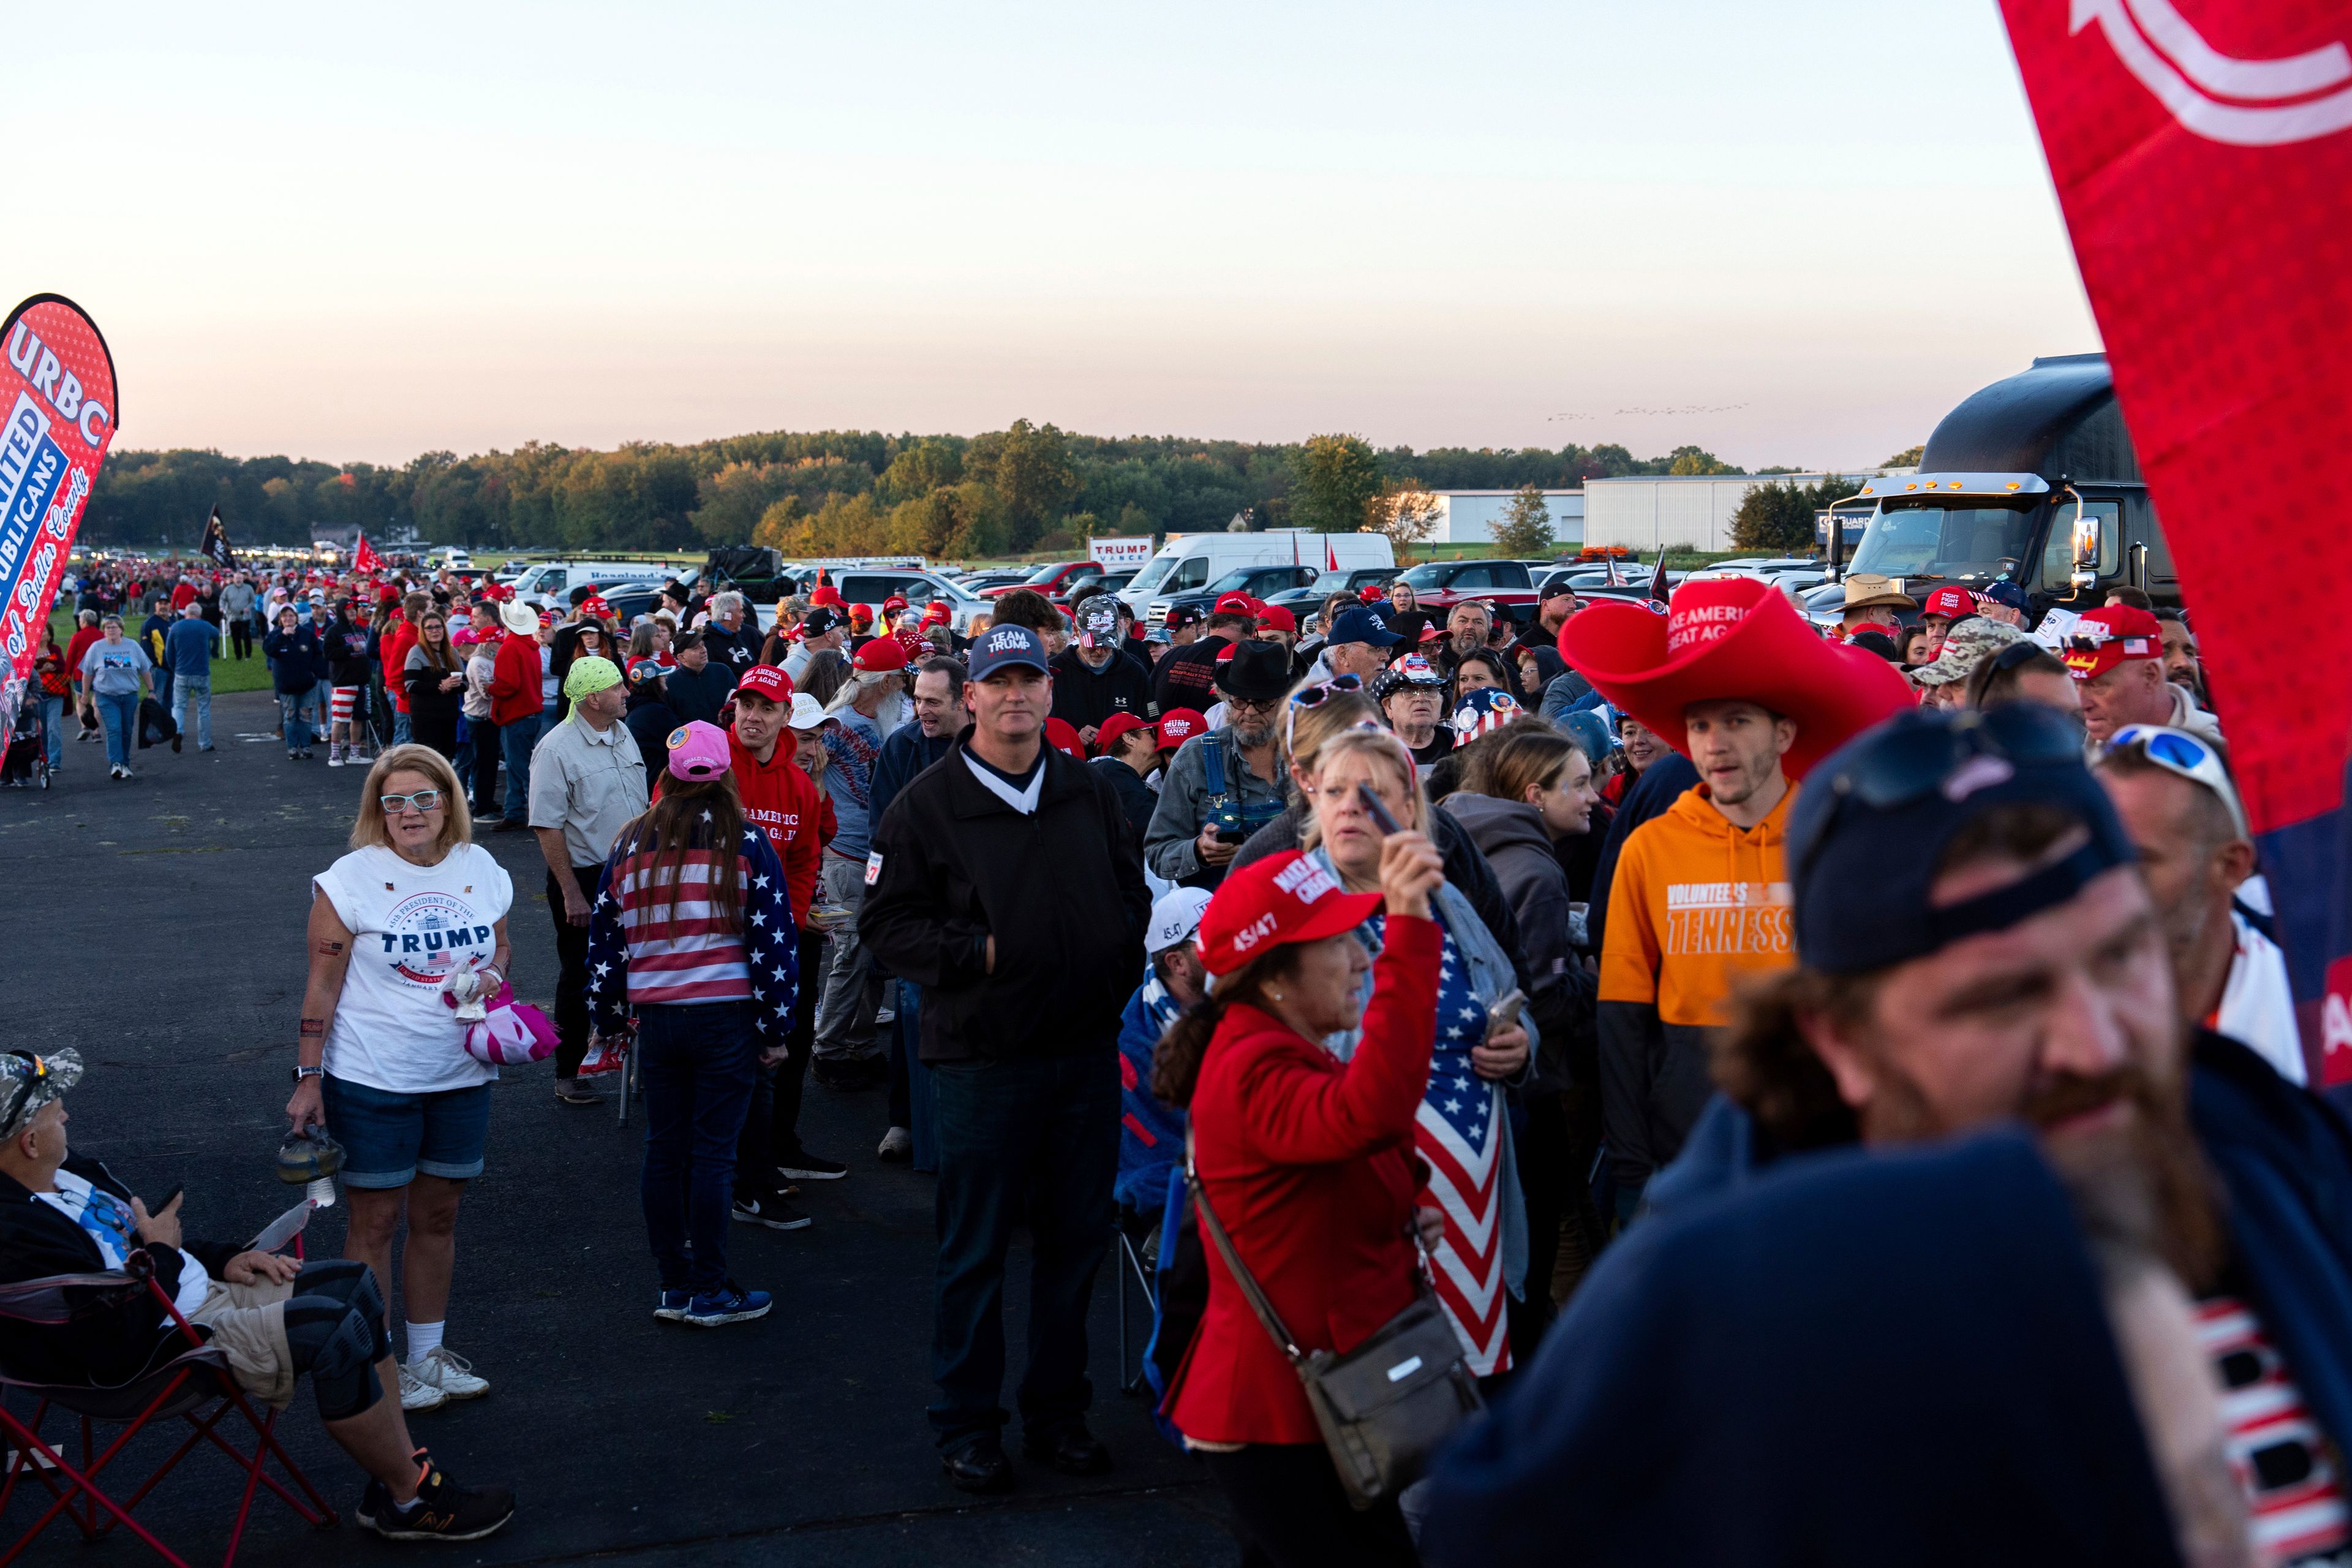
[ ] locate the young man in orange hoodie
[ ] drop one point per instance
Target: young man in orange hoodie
(1734, 679)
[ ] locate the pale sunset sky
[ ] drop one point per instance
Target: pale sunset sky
(1793, 234)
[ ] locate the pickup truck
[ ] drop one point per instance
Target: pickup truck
(1439, 586)
(1052, 580)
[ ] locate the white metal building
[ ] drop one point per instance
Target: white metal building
(1469, 517)
(1651, 509)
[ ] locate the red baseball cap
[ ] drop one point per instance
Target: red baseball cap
(768, 682)
(881, 654)
(893, 602)
(1117, 726)
(861, 614)
(1952, 603)
(1179, 725)
(1276, 616)
(828, 595)
(1236, 603)
(1282, 898)
(1063, 737)
(2106, 637)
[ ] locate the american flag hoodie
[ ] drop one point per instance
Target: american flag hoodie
(644, 950)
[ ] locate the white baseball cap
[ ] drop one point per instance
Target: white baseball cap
(1174, 919)
(808, 713)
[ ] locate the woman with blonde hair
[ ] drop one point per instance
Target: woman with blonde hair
(1462, 1129)
(414, 917)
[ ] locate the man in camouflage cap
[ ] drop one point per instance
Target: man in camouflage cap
(1944, 677)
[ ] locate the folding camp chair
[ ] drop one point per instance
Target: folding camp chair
(1132, 1266)
(194, 1387)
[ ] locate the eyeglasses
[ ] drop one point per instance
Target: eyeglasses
(2178, 752)
(422, 800)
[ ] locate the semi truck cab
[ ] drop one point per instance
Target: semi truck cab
(2032, 479)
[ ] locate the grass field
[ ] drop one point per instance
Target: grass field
(228, 674)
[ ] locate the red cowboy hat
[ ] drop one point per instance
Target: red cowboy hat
(1734, 638)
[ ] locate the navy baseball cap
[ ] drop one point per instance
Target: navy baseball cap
(1001, 648)
(1877, 812)
(1360, 624)
(2005, 594)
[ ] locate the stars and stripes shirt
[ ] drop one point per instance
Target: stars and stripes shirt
(645, 948)
(2295, 1490)
(1458, 1130)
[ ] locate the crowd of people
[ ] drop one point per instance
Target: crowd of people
(1742, 1038)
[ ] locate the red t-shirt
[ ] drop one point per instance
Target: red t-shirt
(184, 595)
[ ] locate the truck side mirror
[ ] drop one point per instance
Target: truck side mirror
(2086, 540)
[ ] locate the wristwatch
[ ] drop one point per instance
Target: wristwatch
(301, 1073)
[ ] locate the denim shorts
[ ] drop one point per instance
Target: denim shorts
(391, 1139)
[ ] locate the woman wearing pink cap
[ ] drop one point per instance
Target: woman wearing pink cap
(692, 932)
(1307, 1162)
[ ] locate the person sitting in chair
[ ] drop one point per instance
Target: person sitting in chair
(273, 1318)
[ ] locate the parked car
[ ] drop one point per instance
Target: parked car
(1439, 586)
(1188, 562)
(1257, 581)
(1048, 579)
(1093, 582)
(1304, 602)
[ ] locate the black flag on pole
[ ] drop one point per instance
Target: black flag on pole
(1659, 593)
(216, 542)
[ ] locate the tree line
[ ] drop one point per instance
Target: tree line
(1027, 486)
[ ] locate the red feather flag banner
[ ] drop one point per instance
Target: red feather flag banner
(56, 382)
(364, 558)
(2203, 154)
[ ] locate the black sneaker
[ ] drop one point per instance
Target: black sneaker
(771, 1212)
(846, 1077)
(441, 1510)
(804, 1166)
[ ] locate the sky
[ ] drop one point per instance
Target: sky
(1793, 234)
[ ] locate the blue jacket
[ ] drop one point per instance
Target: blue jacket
(1871, 1358)
(906, 751)
(1150, 1135)
(2284, 1158)
(188, 650)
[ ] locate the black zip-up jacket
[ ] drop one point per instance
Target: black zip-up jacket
(699, 694)
(1061, 889)
(1136, 796)
(1085, 697)
(110, 1346)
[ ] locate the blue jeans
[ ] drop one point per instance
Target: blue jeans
(400, 735)
(1041, 1133)
(697, 1066)
(389, 1140)
(517, 738)
(201, 689)
(292, 708)
(53, 721)
(162, 681)
(120, 714)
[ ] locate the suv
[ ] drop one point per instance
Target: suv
(1257, 581)
(1441, 585)
(1308, 600)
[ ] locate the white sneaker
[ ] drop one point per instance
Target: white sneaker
(897, 1144)
(416, 1395)
(442, 1369)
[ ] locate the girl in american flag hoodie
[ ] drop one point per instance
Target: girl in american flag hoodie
(691, 931)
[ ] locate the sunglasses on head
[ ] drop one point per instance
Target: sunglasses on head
(422, 800)
(2178, 752)
(25, 1087)
(1322, 692)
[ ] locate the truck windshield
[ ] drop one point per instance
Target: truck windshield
(1929, 539)
(1044, 574)
(1152, 572)
(1431, 576)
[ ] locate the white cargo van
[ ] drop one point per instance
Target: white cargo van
(1190, 561)
(548, 585)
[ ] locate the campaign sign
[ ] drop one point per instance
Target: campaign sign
(58, 388)
(1120, 555)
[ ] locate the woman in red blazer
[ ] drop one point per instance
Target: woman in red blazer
(1308, 1162)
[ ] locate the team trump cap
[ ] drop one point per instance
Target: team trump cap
(1282, 898)
(1002, 647)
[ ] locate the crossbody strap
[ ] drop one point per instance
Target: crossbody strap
(1242, 1276)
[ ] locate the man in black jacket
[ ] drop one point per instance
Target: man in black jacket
(1094, 677)
(700, 687)
(1004, 882)
(274, 1319)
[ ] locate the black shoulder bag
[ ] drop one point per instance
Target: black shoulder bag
(1386, 1406)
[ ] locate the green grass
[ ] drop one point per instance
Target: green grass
(228, 674)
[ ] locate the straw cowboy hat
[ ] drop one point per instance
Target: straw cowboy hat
(1736, 640)
(1867, 590)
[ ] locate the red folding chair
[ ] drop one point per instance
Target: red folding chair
(194, 1387)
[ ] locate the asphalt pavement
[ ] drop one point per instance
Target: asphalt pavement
(160, 932)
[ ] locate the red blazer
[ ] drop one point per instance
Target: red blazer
(1308, 1162)
(515, 679)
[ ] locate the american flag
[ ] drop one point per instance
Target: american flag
(1459, 1132)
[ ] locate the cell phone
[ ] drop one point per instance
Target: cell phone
(1504, 1013)
(1382, 817)
(1232, 836)
(169, 1199)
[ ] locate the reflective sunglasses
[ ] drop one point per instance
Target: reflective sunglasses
(422, 800)
(2178, 751)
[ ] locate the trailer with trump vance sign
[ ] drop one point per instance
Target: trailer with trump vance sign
(58, 388)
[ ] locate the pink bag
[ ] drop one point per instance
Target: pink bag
(514, 1033)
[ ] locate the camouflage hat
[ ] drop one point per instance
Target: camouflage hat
(27, 1082)
(1968, 641)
